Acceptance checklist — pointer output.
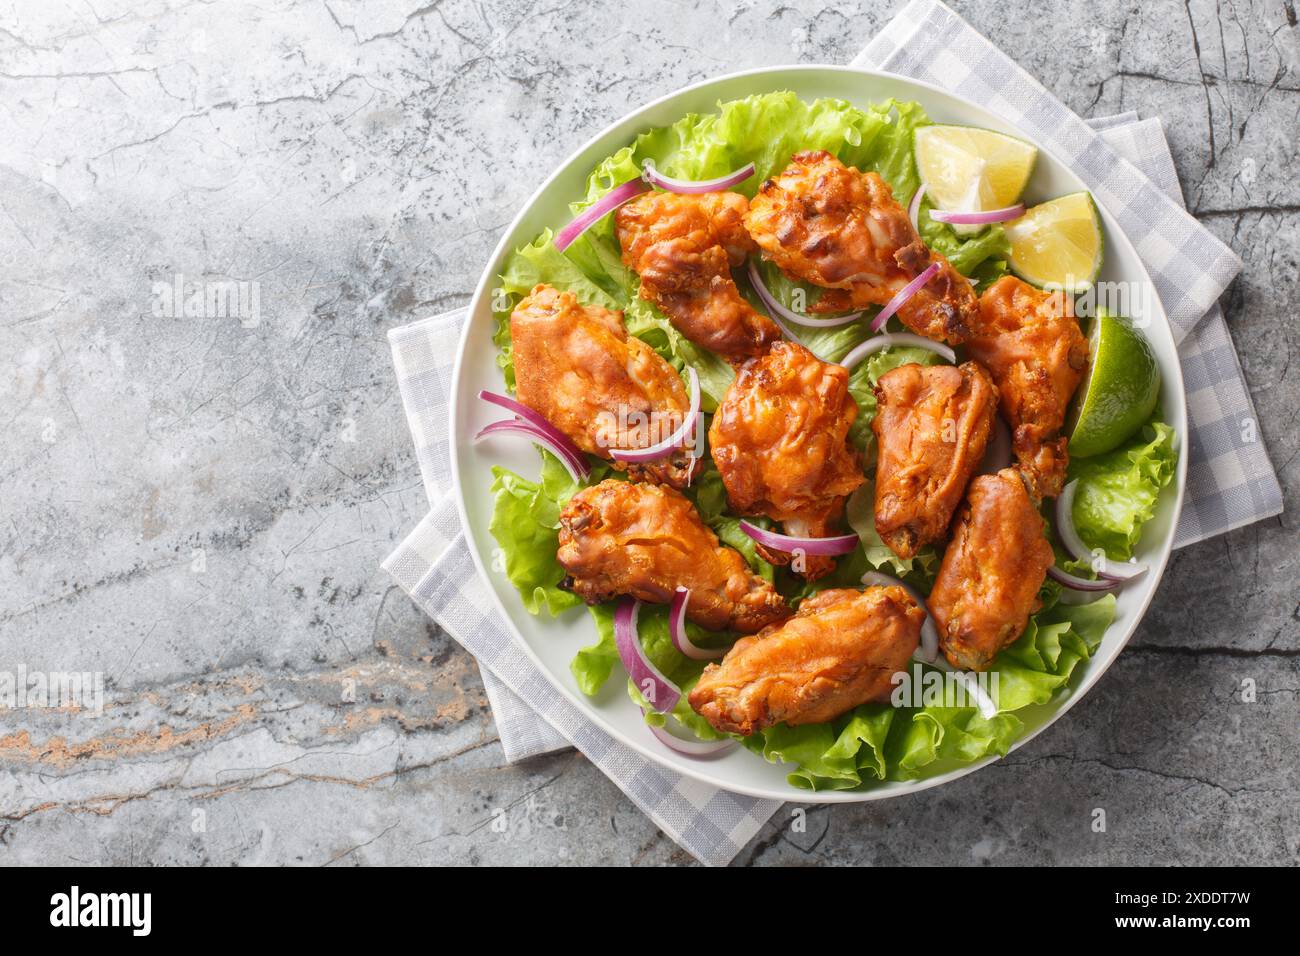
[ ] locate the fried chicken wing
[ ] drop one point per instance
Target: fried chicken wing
(991, 572)
(780, 441)
(603, 388)
(684, 248)
(1030, 342)
(932, 426)
(831, 225)
(840, 650)
(644, 540)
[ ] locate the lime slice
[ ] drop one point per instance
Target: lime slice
(1120, 390)
(965, 169)
(1057, 245)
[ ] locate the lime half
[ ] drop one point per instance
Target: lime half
(966, 169)
(1120, 390)
(1058, 244)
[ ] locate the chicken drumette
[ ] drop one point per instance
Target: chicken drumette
(645, 540)
(780, 441)
(603, 388)
(684, 248)
(840, 650)
(932, 426)
(1031, 344)
(991, 572)
(836, 227)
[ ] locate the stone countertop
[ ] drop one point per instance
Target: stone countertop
(197, 507)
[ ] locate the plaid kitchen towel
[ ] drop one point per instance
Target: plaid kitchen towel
(1230, 480)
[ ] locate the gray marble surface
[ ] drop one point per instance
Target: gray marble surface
(197, 506)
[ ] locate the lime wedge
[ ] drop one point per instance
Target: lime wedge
(1057, 245)
(966, 169)
(1120, 390)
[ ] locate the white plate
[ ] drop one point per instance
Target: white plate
(551, 643)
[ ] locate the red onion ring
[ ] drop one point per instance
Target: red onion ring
(1079, 584)
(929, 630)
(1104, 566)
(692, 187)
(914, 208)
(657, 690)
(816, 547)
(577, 470)
(779, 311)
(903, 295)
(692, 748)
(677, 630)
(978, 218)
(892, 339)
(673, 441)
(564, 446)
(597, 211)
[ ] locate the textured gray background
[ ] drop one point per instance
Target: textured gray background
(198, 509)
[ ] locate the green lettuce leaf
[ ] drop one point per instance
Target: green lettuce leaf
(523, 523)
(1117, 491)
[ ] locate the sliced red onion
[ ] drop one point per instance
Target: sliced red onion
(914, 208)
(814, 547)
(677, 630)
(891, 339)
(1078, 583)
(556, 437)
(692, 187)
(673, 441)
(929, 630)
(903, 295)
(1104, 566)
(657, 690)
(597, 211)
(998, 453)
(531, 415)
(577, 470)
(692, 748)
(779, 311)
(978, 218)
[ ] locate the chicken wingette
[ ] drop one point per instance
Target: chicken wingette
(1032, 346)
(605, 389)
(644, 541)
(932, 425)
(684, 248)
(991, 572)
(840, 650)
(780, 441)
(836, 227)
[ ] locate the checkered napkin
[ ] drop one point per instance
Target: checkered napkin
(1125, 162)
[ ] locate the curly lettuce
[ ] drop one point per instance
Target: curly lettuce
(1117, 491)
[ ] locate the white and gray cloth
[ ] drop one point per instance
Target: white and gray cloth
(1125, 161)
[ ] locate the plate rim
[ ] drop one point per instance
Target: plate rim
(646, 747)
